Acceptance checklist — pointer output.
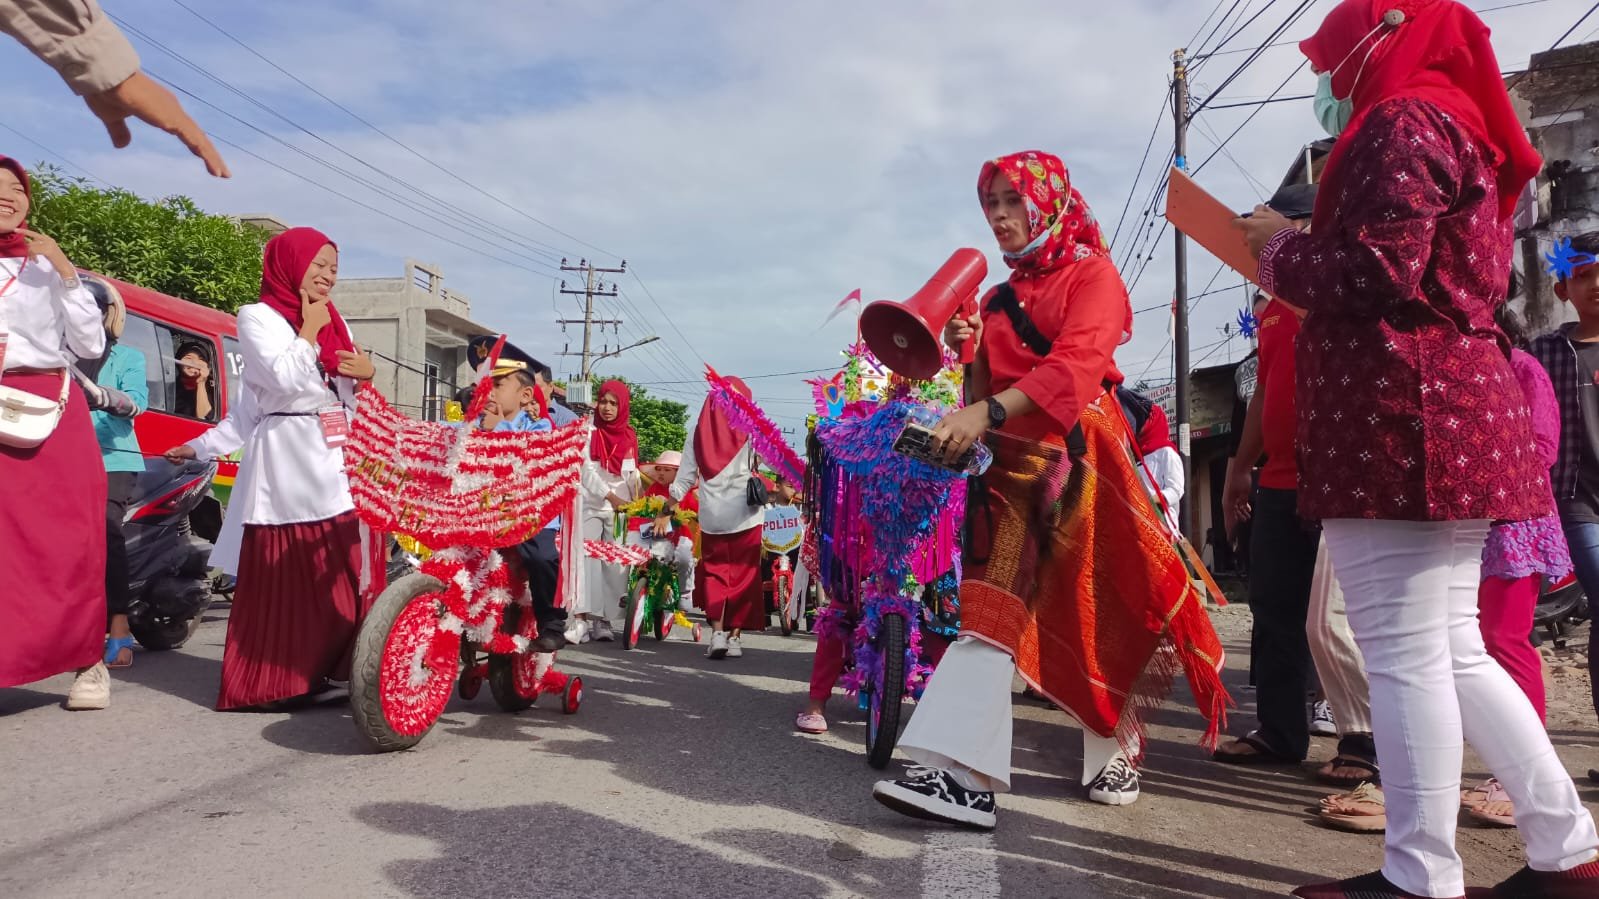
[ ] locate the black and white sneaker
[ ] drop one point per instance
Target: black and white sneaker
(933, 795)
(1116, 785)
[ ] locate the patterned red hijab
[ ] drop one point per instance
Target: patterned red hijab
(615, 440)
(716, 444)
(1440, 54)
(1060, 225)
(283, 267)
(1061, 228)
(12, 244)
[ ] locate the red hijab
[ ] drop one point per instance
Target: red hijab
(1156, 433)
(1440, 54)
(614, 440)
(288, 257)
(715, 442)
(1061, 229)
(12, 244)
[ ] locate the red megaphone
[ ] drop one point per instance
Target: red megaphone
(906, 336)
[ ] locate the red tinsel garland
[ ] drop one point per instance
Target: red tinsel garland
(752, 421)
(616, 553)
(455, 486)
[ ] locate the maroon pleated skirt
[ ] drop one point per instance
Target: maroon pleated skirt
(52, 545)
(727, 581)
(297, 608)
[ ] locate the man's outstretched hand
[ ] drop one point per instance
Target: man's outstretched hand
(140, 97)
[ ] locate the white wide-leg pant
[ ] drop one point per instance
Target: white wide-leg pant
(1338, 664)
(1411, 590)
(963, 721)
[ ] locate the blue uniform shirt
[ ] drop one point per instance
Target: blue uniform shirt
(526, 422)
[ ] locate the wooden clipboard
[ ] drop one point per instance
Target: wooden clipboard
(1209, 222)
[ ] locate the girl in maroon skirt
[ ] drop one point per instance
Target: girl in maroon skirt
(307, 568)
(727, 582)
(52, 496)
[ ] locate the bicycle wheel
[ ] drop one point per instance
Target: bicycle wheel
(665, 616)
(403, 666)
(883, 710)
(637, 604)
(511, 675)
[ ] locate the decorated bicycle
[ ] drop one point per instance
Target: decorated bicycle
(654, 585)
(465, 615)
(883, 540)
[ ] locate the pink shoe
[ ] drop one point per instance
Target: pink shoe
(807, 723)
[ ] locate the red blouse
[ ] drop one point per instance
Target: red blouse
(1407, 405)
(1082, 309)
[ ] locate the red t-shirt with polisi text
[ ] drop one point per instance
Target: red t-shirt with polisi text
(1278, 328)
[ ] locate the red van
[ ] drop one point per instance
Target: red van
(163, 328)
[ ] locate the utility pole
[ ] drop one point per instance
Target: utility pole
(1186, 512)
(591, 288)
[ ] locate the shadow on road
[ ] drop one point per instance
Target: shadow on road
(552, 850)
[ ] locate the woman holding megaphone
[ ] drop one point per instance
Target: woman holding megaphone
(1070, 577)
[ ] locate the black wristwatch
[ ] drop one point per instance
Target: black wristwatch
(996, 413)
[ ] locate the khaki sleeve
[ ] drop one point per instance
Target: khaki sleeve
(76, 38)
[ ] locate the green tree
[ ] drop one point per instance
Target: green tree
(168, 245)
(661, 423)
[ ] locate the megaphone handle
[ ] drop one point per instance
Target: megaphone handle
(969, 349)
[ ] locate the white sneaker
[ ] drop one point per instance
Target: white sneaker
(578, 632)
(91, 690)
(1117, 784)
(719, 646)
(602, 630)
(1322, 723)
(735, 647)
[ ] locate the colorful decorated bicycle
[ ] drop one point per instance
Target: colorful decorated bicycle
(464, 616)
(883, 539)
(653, 588)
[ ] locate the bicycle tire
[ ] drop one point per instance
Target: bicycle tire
(506, 683)
(887, 701)
(636, 604)
(395, 722)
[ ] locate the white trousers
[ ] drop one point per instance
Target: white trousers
(602, 584)
(1338, 663)
(963, 721)
(1411, 590)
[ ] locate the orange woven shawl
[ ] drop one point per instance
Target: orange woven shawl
(1071, 573)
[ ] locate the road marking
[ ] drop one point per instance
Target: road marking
(960, 865)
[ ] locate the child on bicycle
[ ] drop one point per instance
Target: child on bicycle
(516, 404)
(658, 476)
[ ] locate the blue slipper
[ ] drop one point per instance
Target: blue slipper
(114, 647)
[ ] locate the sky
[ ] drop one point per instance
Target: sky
(753, 163)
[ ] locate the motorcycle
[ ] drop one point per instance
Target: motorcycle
(1561, 604)
(169, 579)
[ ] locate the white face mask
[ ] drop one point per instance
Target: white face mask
(1332, 112)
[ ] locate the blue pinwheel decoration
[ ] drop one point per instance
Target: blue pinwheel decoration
(1248, 325)
(1564, 261)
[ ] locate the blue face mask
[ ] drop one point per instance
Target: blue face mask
(1331, 112)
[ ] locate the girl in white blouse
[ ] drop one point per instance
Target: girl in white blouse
(305, 564)
(52, 496)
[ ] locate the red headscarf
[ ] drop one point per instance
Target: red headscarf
(288, 257)
(12, 244)
(1061, 229)
(715, 441)
(1156, 433)
(614, 440)
(1440, 54)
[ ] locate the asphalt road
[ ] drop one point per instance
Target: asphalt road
(679, 777)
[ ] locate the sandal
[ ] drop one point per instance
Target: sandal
(1497, 796)
(807, 723)
(1361, 810)
(1477, 795)
(115, 647)
(1262, 755)
(1372, 774)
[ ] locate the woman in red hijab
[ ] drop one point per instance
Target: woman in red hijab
(727, 582)
(307, 568)
(1413, 432)
(53, 494)
(610, 481)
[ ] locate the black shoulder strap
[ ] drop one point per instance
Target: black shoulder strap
(1005, 301)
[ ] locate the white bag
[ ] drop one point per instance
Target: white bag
(27, 419)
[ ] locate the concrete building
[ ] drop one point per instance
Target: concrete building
(417, 329)
(1558, 100)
